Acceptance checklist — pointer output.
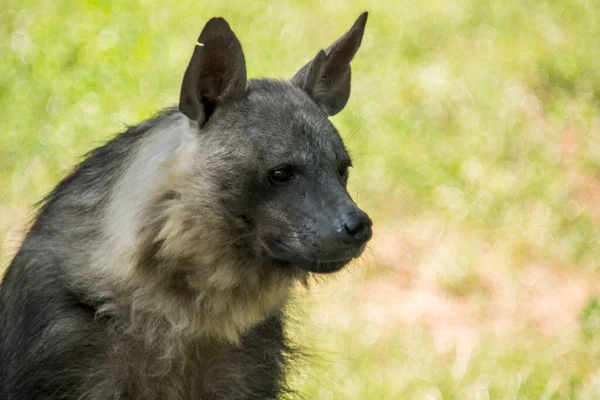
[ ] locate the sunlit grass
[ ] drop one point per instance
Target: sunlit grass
(474, 126)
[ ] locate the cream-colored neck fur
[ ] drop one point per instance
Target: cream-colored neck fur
(196, 286)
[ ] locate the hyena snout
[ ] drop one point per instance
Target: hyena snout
(355, 228)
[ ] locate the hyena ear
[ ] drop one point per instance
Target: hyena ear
(326, 78)
(216, 73)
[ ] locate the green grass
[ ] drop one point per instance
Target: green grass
(478, 119)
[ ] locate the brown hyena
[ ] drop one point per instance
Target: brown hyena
(161, 266)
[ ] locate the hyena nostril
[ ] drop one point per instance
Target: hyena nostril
(357, 227)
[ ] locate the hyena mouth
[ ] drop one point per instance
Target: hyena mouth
(287, 256)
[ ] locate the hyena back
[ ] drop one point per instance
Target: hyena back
(161, 266)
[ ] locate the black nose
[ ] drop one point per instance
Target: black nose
(357, 228)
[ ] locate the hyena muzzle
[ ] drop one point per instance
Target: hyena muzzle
(161, 266)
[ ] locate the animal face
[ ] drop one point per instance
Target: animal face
(276, 162)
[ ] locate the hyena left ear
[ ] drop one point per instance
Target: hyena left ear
(216, 73)
(326, 78)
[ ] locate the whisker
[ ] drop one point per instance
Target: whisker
(234, 241)
(292, 209)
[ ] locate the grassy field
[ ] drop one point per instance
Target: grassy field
(475, 130)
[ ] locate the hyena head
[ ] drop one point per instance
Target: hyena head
(273, 161)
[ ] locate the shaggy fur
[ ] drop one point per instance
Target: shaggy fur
(161, 267)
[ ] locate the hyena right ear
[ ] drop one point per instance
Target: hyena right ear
(216, 73)
(326, 78)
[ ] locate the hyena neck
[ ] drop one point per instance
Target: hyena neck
(167, 261)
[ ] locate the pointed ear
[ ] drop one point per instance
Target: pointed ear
(216, 73)
(326, 78)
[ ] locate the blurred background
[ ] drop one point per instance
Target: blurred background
(475, 132)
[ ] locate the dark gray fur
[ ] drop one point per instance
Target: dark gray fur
(161, 266)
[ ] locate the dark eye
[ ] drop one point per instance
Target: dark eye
(281, 175)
